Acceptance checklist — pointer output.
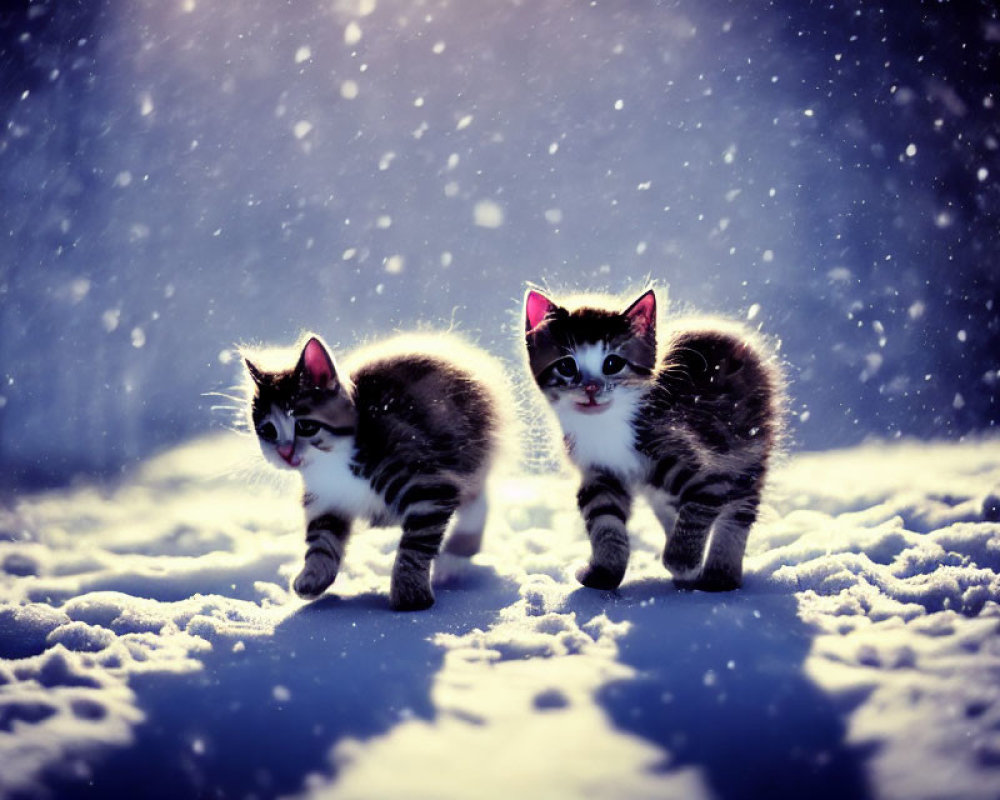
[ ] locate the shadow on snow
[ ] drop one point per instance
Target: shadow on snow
(256, 722)
(720, 687)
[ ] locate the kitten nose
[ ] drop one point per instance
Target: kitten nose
(286, 450)
(591, 387)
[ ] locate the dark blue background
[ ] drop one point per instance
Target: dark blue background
(834, 164)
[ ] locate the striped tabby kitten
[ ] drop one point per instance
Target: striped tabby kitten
(692, 429)
(405, 437)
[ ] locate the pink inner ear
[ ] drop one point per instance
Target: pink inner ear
(535, 308)
(317, 363)
(642, 314)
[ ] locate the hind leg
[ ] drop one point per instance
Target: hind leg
(427, 508)
(685, 548)
(470, 520)
(410, 585)
(723, 570)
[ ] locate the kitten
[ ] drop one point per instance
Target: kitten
(405, 437)
(692, 430)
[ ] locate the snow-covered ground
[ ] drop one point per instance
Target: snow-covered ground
(149, 646)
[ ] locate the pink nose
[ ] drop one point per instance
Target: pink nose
(286, 450)
(591, 388)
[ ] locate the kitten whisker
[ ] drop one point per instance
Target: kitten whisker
(691, 351)
(225, 396)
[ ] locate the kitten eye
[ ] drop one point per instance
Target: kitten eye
(268, 432)
(567, 367)
(613, 365)
(306, 427)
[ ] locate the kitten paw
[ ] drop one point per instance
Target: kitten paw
(683, 573)
(463, 544)
(709, 581)
(715, 580)
(683, 562)
(411, 597)
(313, 581)
(595, 576)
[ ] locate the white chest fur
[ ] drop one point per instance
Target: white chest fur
(329, 478)
(605, 439)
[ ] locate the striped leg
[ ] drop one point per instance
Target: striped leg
(699, 503)
(326, 538)
(686, 545)
(391, 478)
(426, 510)
(723, 570)
(605, 504)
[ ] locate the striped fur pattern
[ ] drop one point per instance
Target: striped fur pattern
(691, 429)
(405, 438)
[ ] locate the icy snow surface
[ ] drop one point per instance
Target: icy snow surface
(148, 642)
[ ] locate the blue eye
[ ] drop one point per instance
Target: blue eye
(268, 432)
(306, 427)
(613, 365)
(567, 367)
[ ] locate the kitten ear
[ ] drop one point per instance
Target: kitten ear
(642, 314)
(254, 370)
(536, 307)
(315, 366)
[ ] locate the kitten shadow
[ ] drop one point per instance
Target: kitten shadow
(258, 719)
(720, 687)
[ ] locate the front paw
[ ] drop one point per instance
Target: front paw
(596, 576)
(314, 579)
(410, 595)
